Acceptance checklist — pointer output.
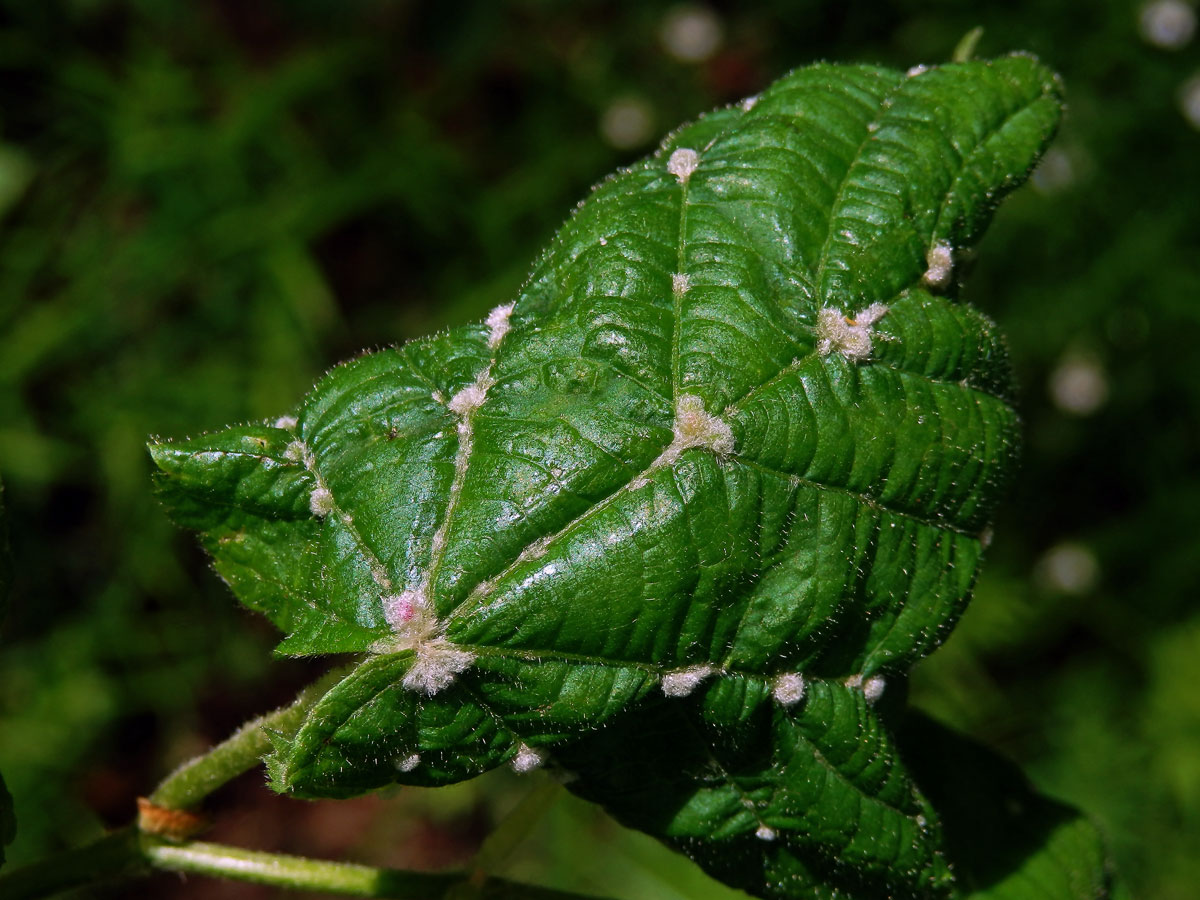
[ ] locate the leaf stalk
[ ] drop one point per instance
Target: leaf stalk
(128, 854)
(132, 852)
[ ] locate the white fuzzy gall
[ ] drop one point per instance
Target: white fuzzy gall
(470, 398)
(788, 689)
(873, 688)
(851, 337)
(408, 763)
(296, 451)
(695, 427)
(320, 501)
(410, 613)
(436, 665)
(527, 759)
(498, 324)
(680, 283)
(683, 681)
(288, 423)
(765, 833)
(940, 264)
(682, 163)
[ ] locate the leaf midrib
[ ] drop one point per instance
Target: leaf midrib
(496, 356)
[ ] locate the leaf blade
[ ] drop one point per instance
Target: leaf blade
(736, 432)
(767, 806)
(1008, 841)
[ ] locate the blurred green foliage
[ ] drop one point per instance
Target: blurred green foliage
(203, 205)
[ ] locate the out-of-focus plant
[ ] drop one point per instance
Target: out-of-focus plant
(670, 522)
(153, 158)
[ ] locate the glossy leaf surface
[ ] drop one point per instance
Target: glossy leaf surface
(718, 474)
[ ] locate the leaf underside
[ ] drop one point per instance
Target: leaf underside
(718, 474)
(1008, 842)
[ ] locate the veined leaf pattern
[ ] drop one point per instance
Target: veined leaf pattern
(718, 474)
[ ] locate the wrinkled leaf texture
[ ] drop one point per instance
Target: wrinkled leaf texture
(736, 441)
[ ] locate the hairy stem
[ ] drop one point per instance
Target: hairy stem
(129, 853)
(345, 879)
(240, 752)
(126, 854)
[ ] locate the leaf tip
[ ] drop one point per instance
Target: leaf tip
(964, 50)
(278, 775)
(162, 454)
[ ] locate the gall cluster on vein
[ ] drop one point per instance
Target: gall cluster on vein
(410, 614)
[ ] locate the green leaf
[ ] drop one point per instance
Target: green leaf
(761, 803)
(250, 501)
(715, 478)
(1007, 841)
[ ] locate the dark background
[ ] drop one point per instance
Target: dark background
(204, 205)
